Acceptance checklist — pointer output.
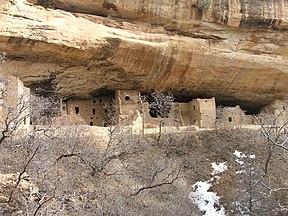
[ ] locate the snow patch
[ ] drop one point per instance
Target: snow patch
(239, 154)
(219, 168)
(240, 172)
(206, 200)
(239, 161)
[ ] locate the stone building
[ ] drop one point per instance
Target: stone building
(128, 106)
(199, 112)
(14, 102)
(235, 117)
(91, 111)
(130, 110)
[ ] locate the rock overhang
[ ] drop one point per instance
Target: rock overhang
(81, 55)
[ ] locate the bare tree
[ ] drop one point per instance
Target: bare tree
(14, 107)
(43, 110)
(160, 104)
(2, 57)
(257, 192)
(274, 127)
(110, 107)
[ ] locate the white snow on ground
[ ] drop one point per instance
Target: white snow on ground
(218, 168)
(239, 161)
(240, 154)
(240, 172)
(206, 200)
(237, 153)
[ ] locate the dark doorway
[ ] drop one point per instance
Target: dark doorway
(77, 110)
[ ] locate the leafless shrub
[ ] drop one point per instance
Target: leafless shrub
(160, 104)
(2, 57)
(43, 110)
(274, 127)
(111, 111)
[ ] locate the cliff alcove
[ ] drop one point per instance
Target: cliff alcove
(235, 51)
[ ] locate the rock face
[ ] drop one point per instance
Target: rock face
(234, 50)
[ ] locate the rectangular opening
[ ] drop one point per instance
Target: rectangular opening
(94, 101)
(77, 110)
(91, 123)
(94, 111)
(194, 108)
(230, 119)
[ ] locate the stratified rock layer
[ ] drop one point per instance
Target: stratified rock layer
(222, 50)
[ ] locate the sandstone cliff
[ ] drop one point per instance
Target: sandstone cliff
(234, 50)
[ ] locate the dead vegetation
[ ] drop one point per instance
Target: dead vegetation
(77, 173)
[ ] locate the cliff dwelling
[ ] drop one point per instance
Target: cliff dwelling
(91, 111)
(131, 110)
(146, 107)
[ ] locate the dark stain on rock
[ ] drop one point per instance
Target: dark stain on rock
(106, 50)
(113, 42)
(102, 92)
(15, 42)
(46, 86)
(199, 36)
(220, 11)
(225, 10)
(109, 6)
(254, 23)
(115, 74)
(252, 16)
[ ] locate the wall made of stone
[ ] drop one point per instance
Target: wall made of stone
(199, 112)
(207, 112)
(232, 116)
(127, 103)
(24, 99)
(190, 113)
(91, 111)
(15, 97)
